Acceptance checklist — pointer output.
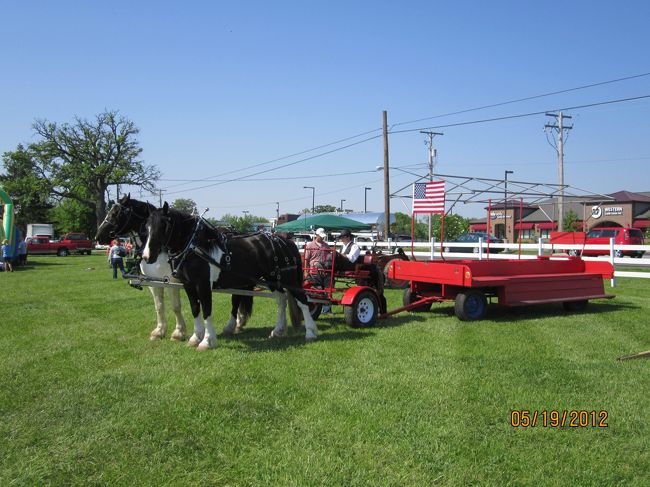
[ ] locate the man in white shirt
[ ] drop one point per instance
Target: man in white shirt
(350, 249)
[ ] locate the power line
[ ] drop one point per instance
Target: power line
(422, 119)
(279, 167)
(525, 99)
(522, 115)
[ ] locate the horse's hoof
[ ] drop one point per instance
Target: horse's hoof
(206, 345)
(193, 341)
(310, 339)
(178, 336)
(277, 334)
(156, 335)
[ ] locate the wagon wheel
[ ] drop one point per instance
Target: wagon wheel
(470, 305)
(409, 297)
(575, 305)
(393, 283)
(574, 253)
(363, 311)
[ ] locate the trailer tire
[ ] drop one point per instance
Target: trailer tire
(363, 311)
(393, 283)
(409, 297)
(575, 305)
(574, 253)
(470, 305)
(62, 252)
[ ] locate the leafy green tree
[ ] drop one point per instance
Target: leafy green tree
(571, 222)
(243, 223)
(29, 193)
(80, 161)
(72, 216)
(184, 204)
(324, 209)
(455, 225)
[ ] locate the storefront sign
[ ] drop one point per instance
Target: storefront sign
(598, 211)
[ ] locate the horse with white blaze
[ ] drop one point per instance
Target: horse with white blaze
(128, 216)
(204, 258)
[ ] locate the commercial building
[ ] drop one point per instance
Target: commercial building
(514, 220)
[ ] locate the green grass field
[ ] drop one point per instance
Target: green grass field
(420, 399)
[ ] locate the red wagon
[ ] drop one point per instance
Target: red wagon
(513, 282)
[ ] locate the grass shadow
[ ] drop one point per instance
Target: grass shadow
(503, 314)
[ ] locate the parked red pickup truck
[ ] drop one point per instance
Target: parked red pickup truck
(71, 242)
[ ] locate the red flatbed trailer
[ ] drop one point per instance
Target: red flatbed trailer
(514, 282)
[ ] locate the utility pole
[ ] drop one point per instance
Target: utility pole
(560, 128)
(160, 198)
(342, 211)
(386, 180)
(277, 210)
(432, 154)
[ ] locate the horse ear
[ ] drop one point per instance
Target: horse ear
(165, 208)
(125, 198)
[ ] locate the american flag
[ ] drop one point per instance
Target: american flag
(429, 197)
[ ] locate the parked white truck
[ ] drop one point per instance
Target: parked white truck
(34, 229)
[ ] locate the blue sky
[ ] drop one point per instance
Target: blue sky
(219, 86)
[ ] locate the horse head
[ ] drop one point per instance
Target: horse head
(116, 219)
(126, 215)
(160, 228)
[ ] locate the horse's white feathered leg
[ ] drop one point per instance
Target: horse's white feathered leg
(230, 326)
(281, 322)
(161, 321)
(210, 339)
(242, 319)
(179, 331)
(199, 332)
(311, 332)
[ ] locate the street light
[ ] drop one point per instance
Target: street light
(342, 205)
(313, 196)
(505, 204)
(245, 212)
(365, 198)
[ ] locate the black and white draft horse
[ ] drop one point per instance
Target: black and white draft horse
(129, 217)
(205, 258)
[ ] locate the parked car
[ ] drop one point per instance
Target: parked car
(71, 242)
(473, 237)
(621, 236)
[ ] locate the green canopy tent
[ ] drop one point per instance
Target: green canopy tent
(328, 222)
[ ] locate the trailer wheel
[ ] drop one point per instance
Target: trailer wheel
(470, 305)
(363, 311)
(62, 252)
(575, 305)
(393, 283)
(409, 297)
(574, 253)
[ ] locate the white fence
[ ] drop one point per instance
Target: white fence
(432, 251)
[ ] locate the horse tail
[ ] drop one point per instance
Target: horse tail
(294, 311)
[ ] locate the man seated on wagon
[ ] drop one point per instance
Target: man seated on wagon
(318, 255)
(350, 259)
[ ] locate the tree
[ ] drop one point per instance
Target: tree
(72, 216)
(80, 161)
(571, 221)
(324, 209)
(185, 204)
(29, 193)
(243, 223)
(454, 226)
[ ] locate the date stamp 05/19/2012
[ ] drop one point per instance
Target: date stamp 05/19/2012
(557, 418)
